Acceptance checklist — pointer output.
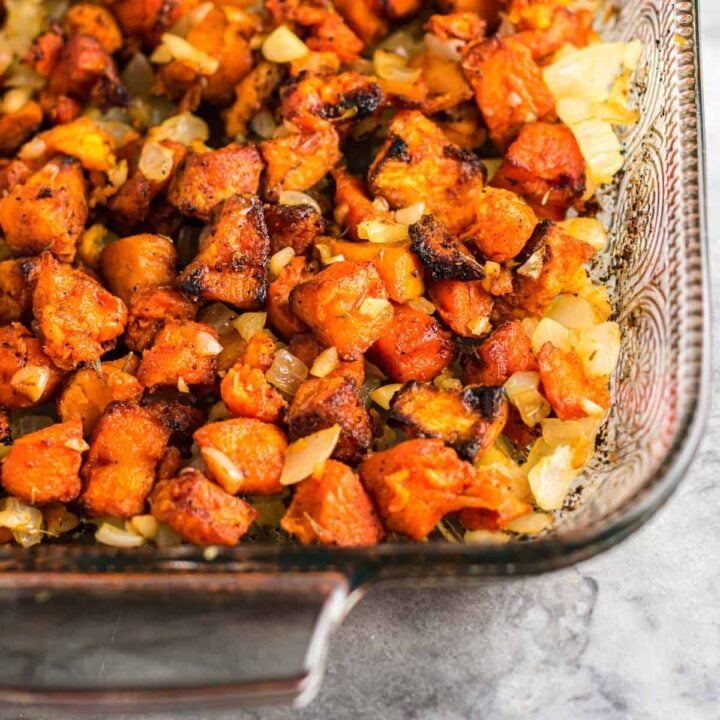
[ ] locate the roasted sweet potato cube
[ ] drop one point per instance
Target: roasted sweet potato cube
(182, 352)
(345, 305)
(298, 161)
(87, 392)
(331, 507)
(470, 420)
(138, 260)
(83, 139)
(460, 25)
(250, 95)
(488, 10)
(46, 212)
(243, 455)
(566, 386)
(247, 393)
(120, 469)
(505, 352)
(78, 318)
(399, 268)
(445, 257)
(17, 282)
(294, 226)
(321, 403)
(353, 205)
(179, 418)
(259, 351)
(16, 127)
(545, 166)
(305, 347)
(416, 483)
(464, 307)
(232, 263)
(43, 466)
(280, 315)
(413, 347)
(206, 179)
(509, 87)
(96, 21)
(364, 17)
(418, 163)
(445, 82)
(147, 20)
(549, 261)
(150, 308)
(201, 511)
(503, 224)
(27, 375)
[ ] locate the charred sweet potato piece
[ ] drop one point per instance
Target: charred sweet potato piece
(43, 466)
(331, 507)
(441, 252)
(138, 260)
(505, 352)
(464, 307)
(247, 394)
(182, 351)
(345, 305)
(11, 173)
(150, 308)
(243, 455)
(17, 282)
(417, 162)
(200, 511)
(413, 347)
(565, 384)
(417, 482)
(323, 402)
(45, 51)
(545, 166)
(149, 19)
(298, 161)
(250, 95)
(399, 268)
(509, 87)
(87, 392)
(180, 419)
(353, 205)
(79, 320)
(503, 224)
(120, 469)
(327, 31)
(231, 266)
(46, 212)
(206, 179)
(294, 226)
(27, 375)
(365, 17)
(95, 21)
(470, 420)
(550, 259)
(16, 127)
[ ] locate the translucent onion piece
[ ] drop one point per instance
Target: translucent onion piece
(410, 214)
(549, 330)
(26, 424)
(571, 311)
(185, 53)
(326, 256)
(14, 99)
(598, 348)
(33, 149)
(156, 161)
(165, 536)
(144, 525)
(263, 124)
(579, 435)
(206, 344)
(279, 260)
(250, 324)
(25, 521)
(372, 307)
(533, 265)
(108, 534)
(381, 232)
(282, 45)
(485, 537)
(287, 372)
(600, 148)
(308, 455)
(219, 317)
(530, 524)
(422, 304)
(392, 66)
(479, 326)
(218, 463)
(450, 49)
(522, 391)
(327, 361)
(384, 394)
(31, 381)
(551, 477)
(184, 128)
(293, 197)
(138, 76)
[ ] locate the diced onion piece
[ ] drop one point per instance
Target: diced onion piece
(294, 197)
(185, 53)
(218, 411)
(422, 304)
(25, 521)
(308, 455)
(598, 347)
(381, 204)
(326, 256)
(592, 409)
(372, 307)
(530, 524)
(26, 424)
(263, 124)
(14, 99)
(182, 385)
(579, 435)
(218, 463)
(206, 344)
(600, 148)
(31, 381)
(138, 76)
(384, 394)
(33, 149)
(501, 462)
(270, 509)
(551, 477)
(492, 165)
(144, 525)
(279, 260)
(156, 161)
(282, 45)
(60, 521)
(108, 534)
(411, 214)
(118, 174)
(77, 444)
(287, 372)
(250, 324)
(479, 326)
(533, 266)
(327, 361)
(485, 537)
(219, 317)
(391, 66)
(447, 381)
(522, 391)
(184, 128)
(165, 536)
(549, 330)
(377, 231)
(529, 325)
(589, 230)
(450, 49)
(571, 311)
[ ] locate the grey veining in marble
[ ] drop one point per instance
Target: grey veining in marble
(633, 634)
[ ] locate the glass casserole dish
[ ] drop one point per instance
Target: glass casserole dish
(93, 628)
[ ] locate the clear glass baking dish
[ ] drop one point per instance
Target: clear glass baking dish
(89, 629)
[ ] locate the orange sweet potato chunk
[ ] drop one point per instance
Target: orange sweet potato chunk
(243, 455)
(463, 306)
(247, 393)
(16, 127)
(17, 282)
(201, 511)
(294, 226)
(280, 315)
(95, 21)
(43, 466)
(331, 507)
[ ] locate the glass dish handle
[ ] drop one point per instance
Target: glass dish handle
(115, 642)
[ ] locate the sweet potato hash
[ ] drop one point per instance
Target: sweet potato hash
(302, 270)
